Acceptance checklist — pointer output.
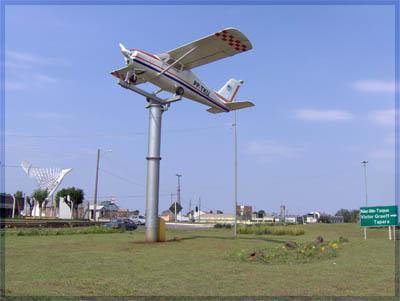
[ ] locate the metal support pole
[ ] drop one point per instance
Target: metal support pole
(390, 232)
(95, 186)
(199, 208)
(366, 192)
(190, 209)
(153, 169)
(156, 107)
(235, 142)
(178, 193)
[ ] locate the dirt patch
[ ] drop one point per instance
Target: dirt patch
(143, 242)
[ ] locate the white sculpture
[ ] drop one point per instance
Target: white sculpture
(47, 178)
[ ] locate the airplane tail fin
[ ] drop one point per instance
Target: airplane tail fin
(229, 90)
(227, 94)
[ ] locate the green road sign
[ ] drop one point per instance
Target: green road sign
(378, 216)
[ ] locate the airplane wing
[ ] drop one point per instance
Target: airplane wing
(214, 47)
(121, 74)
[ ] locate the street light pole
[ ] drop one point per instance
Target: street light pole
(364, 163)
(95, 185)
(235, 142)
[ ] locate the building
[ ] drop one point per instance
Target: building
(7, 205)
(312, 217)
(264, 219)
(167, 216)
(243, 212)
(105, 210)
(214, 218)
(291, 219)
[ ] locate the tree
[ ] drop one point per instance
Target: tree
(30, 203)
(346, 215)
(19, 195)
(76, 196)
(354, 215)
(19, 199)
(261, 214)
(40, 196)
(324, 218)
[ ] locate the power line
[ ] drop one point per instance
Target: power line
(121, 135)
(120, 177)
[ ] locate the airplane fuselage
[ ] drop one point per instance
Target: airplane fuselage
(173, 78)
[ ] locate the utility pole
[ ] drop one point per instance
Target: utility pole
(364, 163)
(235, 163)
(95, 185)
(199, 208)
(190, 209)
(178, 190)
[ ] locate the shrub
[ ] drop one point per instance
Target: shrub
(290, 253)
(227, 226)
(65, 231)
(261, 229)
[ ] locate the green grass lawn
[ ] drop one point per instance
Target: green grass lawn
(114, 265)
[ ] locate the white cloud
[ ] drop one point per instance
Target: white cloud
(38, 79)
(14, 86)
(48, 115)
(322, 115)
(382, 153)
(22, 65)
(390, 139)
(374, 86)
(383, 117)
(267, 150)
(29, 58)
(45, 78)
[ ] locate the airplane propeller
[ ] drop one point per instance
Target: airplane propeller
(125, 51)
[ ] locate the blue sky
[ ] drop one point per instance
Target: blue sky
(322, 79)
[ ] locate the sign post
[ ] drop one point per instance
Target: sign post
(379, 216)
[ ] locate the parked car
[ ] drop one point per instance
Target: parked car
(126, 223)
(138, 219)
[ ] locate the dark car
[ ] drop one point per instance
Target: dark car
(125, 223)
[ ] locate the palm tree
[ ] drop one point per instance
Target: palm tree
(40, 196)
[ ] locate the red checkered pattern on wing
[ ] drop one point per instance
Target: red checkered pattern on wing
(230, 39)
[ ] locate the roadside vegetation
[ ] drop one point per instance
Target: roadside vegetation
(292, 252)
(262, 229)
(63, 231)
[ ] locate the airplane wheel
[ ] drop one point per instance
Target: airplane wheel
(179, 91)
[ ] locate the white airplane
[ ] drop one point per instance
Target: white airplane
(171, 71)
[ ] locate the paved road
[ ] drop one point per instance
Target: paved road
(188, 226)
